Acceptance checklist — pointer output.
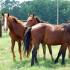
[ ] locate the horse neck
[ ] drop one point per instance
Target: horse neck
(16, 28)
(38, 21)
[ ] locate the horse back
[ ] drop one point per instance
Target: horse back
(54, 34)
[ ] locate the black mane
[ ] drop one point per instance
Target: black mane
(39, 21)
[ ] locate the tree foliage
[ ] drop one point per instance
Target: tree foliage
(45, 9)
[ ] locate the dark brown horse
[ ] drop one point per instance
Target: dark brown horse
(16, 33)
(48, 34)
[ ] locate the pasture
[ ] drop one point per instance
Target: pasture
(6, 61)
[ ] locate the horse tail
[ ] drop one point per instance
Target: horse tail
(27, 38)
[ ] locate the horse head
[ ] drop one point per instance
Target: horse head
(32, 20)
(5, 22)
(9, 21)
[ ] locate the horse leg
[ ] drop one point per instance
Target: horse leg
(68, 51)
(12, 48)
(50, 51)
(44, 50)
(56, 60)
(34, 55)
(19, 49)
(63, 54)
(36, 60)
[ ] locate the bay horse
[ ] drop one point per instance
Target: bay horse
(17, 29)
(33, 20)
(47, 34)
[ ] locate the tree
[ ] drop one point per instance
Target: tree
(7, 5)
(45, 9)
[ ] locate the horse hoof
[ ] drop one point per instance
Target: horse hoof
(32, 64)
(62, 63)
(55, 62)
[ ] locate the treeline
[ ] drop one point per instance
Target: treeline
(45, 9)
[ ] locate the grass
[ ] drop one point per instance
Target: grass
(6, 61)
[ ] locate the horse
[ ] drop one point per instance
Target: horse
(49, 34)
(33, 20)
(16, 31)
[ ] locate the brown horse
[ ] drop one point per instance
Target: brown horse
(33, 20)
(16, 33)
(47, 34)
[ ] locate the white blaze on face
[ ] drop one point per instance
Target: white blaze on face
(5, 23)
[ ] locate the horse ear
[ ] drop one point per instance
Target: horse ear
(2, 14)
(14, 20)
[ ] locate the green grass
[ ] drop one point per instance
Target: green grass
(6, 61)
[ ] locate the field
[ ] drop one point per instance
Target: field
(6, 62)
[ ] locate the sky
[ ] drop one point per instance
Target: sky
(22, 0)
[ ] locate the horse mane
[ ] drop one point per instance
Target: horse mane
(16, 20)
(39, 20)
(66, 26)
